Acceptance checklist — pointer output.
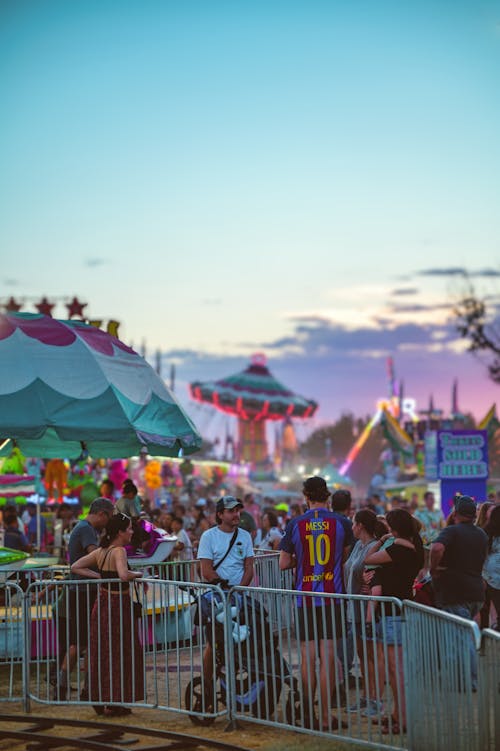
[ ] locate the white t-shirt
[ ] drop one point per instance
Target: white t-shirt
(274, 534)
(213, 546)
(186, 554)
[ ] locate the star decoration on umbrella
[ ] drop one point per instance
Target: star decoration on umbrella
(12, 306)
(45, 307)
(75, 308)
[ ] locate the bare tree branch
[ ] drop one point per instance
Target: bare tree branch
(477, 324)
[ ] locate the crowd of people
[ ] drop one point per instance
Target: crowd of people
(334, 545)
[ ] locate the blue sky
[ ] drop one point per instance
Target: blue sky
(302, 179)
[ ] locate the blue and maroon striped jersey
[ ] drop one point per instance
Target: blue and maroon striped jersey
(318, 539)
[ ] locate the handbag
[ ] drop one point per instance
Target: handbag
(137, 604)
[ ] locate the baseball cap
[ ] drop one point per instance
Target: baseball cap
(465, 506)
(201, 502)
(229, 502)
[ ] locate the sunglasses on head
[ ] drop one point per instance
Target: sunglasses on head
(123, 517)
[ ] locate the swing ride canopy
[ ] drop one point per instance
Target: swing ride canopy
(254, 394)
(67, 387)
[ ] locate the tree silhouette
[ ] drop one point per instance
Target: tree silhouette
(480, 326)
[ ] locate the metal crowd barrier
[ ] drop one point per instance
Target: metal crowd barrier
(297, 672)
(12, 642)
(489, 690)
(441, 665)
(265, 662)
(266, 570)
(87, 645)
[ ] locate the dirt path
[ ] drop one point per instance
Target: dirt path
(248, 735)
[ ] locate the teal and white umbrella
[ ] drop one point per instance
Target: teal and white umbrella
(67, 387)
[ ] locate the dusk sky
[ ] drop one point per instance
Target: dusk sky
(309, 180)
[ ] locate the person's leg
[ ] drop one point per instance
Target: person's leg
(395, 664)
(484, 614)
(308, 676)
(366, 653)
(208, 677)
(494, 596)
(326, 677)
(467, 610)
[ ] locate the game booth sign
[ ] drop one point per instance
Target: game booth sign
(459, 460)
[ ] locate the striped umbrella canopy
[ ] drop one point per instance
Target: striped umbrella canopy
(67, 387)
(253, 394)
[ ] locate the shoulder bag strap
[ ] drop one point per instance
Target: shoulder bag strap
(233, 540)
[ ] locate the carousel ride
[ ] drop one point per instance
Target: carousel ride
(253, 396)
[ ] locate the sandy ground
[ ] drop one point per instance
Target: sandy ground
(248, 735)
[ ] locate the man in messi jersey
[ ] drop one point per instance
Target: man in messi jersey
(316, 544)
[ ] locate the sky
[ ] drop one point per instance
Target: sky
(317, 181)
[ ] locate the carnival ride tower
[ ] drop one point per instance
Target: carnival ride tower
(253, 396)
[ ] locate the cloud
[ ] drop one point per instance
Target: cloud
(11, 282)
(318, 340)
(401, 291)
(450, 271)
(488, 273)
(418, 307)
(460, 271)
(344, 369)
(212, 301)
(94, 262)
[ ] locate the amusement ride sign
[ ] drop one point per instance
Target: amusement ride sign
(459, 458)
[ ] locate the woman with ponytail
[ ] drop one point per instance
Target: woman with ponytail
(366, 530)
(116, 657)
(399, 564)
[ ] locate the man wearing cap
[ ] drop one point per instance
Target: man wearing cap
(456, 562)
(237, 566)
(317, 544)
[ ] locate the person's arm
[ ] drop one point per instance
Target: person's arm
(371, 612)
(119, 558)
(276, 543)
(437, 552)
(287, 560)
(247, 573)
(376, 556)
(208, 573)
(83, 565)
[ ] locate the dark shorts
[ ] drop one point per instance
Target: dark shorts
(80, 603)
(319, 622)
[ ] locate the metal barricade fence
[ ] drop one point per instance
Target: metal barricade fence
(265, 662)
(88, 645)
(489, 690)
(182, 571)
(295, 672)
(266, 570)
(12, 642)
(441, 666)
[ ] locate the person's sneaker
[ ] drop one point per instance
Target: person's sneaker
(373, 708)
(359, 705)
